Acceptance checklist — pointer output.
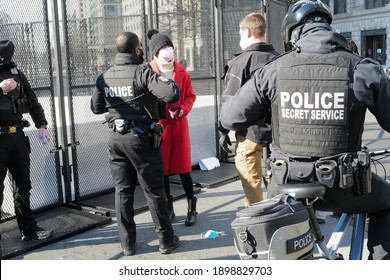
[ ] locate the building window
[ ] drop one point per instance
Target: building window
(375, 45)
(340, 6)
(372, 4)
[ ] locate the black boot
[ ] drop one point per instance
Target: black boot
(191, 212)
(171, 212)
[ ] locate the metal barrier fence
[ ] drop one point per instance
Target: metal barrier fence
(30, 34)
(62, 46)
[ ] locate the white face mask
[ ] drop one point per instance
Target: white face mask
(166, 54)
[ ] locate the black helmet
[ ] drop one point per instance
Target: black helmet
(127, 42)
(300, 13)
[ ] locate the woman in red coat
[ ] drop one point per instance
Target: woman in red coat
(176, 147)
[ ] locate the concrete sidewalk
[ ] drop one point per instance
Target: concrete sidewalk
(217, 208)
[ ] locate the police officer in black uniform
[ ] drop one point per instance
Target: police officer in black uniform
(318, 93)
(133, 96)
(17, 98)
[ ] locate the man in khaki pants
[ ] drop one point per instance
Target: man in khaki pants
(255, 53)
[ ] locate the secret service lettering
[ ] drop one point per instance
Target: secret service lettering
(123, 91)
(312, 107)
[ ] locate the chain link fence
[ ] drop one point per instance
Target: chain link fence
(70, 42)
(30, 34)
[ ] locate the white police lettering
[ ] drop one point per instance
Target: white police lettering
(303, 241)
(299, 242)
(313, 106)
(123, 91)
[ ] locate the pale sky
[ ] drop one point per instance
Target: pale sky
(22, 11)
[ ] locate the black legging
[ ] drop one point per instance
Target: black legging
(187, 183)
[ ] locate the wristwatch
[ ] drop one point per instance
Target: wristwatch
(43, 126)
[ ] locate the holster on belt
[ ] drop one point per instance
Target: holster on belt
(157, 131)
(363, 175)
(355, 172)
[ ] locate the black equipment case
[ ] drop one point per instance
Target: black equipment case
(273, 229)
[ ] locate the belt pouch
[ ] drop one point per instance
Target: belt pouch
(22, 106)
(301, 171)
(6, 109)
(279, 169)
(121, 125)
(327, 173)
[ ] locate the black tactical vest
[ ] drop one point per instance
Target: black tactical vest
(315, 112)
(123, 100)
(9, 113)
(119, 93)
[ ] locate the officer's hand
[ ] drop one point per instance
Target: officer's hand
(224, 142)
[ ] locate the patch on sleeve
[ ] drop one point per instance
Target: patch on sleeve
(163, 79)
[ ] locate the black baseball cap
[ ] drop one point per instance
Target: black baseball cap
(7, 49)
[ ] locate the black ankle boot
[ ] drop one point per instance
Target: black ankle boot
(191, 212)
(171, 212)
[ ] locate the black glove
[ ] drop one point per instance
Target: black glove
(224, 142)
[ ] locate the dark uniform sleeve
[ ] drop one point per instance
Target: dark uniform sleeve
(232, 79)
(250, 104)
(232, 82)
(36, 110)
(98, 103)
(164, 89)
(372, 88)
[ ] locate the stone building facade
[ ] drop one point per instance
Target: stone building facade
(367, 22)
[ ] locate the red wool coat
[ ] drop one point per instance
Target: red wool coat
(176, 147)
